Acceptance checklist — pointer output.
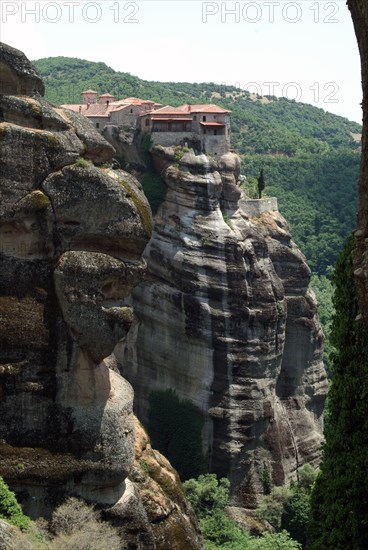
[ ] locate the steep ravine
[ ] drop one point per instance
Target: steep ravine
(226, 317)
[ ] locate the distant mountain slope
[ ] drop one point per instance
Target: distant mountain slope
(310, 157)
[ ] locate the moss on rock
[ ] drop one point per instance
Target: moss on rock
(39, 200)
(140, 205)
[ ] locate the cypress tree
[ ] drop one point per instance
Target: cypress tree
(261, 184)
(339, 505)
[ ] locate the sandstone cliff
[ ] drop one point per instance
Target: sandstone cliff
(227, 318)
(72, 233)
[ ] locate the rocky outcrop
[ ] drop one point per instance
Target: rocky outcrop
(11, 538)
(154, 511)
(72, 234)
(17, 74)
(127, 142)
(359, 13)
(227, 318)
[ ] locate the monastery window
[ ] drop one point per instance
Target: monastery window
(194, 117)
(204, 118)
(147, 122)
(97, 124)
(131, 110)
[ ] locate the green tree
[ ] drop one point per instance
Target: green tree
(175, 427)
(209, 497)
(266, 479)
(10, 509)
(339, 513)
(272, 506)
(221, 532)
(261, 183)
(324, 288)
(295, 516)
(273, 541)
(307, 475)
(207, 493)
(154, 188)
(288, 508)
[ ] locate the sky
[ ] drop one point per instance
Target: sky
(303, 50)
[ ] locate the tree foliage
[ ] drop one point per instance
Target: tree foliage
(323, 287)
(154, 188)
(209, 496)
(175, 427)
(10, 509)
(339, 517)
(288, 508)
(295, 516)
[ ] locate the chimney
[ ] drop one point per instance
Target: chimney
(189, 108)
(89, 96)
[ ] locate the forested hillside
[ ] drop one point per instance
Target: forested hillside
(310, 157)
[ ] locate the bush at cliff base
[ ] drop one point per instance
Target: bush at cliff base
(10, 510)
(209, 496)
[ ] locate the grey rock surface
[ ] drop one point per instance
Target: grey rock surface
(72, 233)
(227, 318)
(17, 74)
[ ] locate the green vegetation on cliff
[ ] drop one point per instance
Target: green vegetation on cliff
(10, 509)
(324, 289)
(175, 428)
(74, 525)
(310, 157)
(340, 496)
(209, 497)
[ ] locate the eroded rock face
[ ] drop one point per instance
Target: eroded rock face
(127, 142)
(17, 74)
(71, 239)
(153, 512)
(359, 13)
(227, 318)
(72, 233)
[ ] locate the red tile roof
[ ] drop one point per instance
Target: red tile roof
(89, 92)
(168, 110)
(136, 100)
(157, 112)
(204, 108)
(94, 109)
